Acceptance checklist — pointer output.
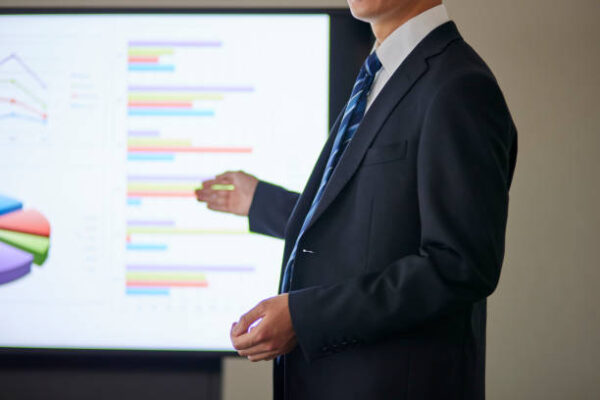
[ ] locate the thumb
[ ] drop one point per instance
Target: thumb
(247, 319)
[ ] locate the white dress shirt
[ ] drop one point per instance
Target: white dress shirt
(400, 43)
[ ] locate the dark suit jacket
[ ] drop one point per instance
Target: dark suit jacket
(388, 292)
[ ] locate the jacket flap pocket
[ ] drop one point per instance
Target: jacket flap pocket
(386, 153)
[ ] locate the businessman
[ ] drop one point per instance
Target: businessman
(398, 237)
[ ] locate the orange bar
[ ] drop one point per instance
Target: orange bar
(170, 104)
(191, 149)
(161, 194)
(143, 59)
(166, 284)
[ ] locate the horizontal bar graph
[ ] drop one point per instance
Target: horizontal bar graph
(189, 149)
(134, 201)
(145, 291)
(191, 88)
(143, 133)
(141, 222)
(147, 247)
(173, 96)
(162, 187)
(158, 112)
(151, 67)
(150, 157)
(145, 142)
(171, 125)
(168, 178)
(203, 268)
(174, 43)
(184, 231)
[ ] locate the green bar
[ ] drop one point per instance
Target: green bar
(158, 142)
(174, 96)
(141, 52)
(222, 187)
(35, 245)
(184, 231)
(165, 276)
(162, 187)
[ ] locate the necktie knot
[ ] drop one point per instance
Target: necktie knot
(372, 64)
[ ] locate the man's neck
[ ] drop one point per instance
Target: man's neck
(388, 23)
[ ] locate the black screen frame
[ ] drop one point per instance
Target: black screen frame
(351, 41)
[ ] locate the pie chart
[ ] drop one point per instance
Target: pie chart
(24, 239)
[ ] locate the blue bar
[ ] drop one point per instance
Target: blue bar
(146, 246)
(157, 112)
(150, 157)
(150, 67)
(148, 291)
(134, 201)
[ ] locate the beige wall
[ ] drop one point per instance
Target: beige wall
(544, 325)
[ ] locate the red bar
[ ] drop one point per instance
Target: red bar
(161, 194)
(143, 59)
(168, 104)
(167, 284)
(191, 149)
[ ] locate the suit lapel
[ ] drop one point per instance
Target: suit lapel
(403, 79)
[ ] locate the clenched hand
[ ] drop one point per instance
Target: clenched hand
(266, 331)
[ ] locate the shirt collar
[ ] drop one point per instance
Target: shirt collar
(400, 43)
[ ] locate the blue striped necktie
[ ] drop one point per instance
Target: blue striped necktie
(353, 114)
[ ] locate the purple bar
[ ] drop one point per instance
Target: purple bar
(143, 133)
(139, 222)
(223, 268)
(143, 88)
(14, 263)
(176, 43)
(192, 178)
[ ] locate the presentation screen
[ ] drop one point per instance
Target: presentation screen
(108, 123)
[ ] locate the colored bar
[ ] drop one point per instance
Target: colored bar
(147, 291)
(144, 88)
(205, 268)
(163, 284)
(143, 133)
(194, 178)
(158, 187)
(163, 104)
(192, 149)
(160, 194)
(134, 201)
(184, 231)
(150, 157)
(146, 247)
(174, 96)
(143, 59)
(166, 276)
(159, 142)
(175, 43)
(151, 67)
(170, 113)
(133, 52)
(155, 222)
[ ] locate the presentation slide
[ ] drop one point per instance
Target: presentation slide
(108, 123)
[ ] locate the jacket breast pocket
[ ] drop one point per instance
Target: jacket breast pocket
(386, 153)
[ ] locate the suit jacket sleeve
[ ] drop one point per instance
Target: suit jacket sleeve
(464, 169)
(270, 209)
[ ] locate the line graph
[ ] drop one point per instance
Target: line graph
(22, 93)
(18, 60)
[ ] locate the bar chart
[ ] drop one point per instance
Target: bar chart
(173, 122)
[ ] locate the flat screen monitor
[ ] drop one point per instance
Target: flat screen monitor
(108, 123)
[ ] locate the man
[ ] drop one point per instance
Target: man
(398, 236)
